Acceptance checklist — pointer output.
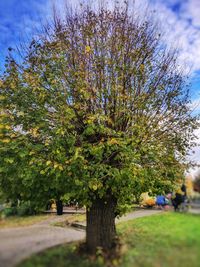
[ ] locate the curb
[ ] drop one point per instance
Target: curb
(78, 225)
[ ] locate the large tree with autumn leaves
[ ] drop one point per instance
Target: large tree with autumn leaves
(97, 104)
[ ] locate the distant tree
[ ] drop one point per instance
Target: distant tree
(96, 103)
(196, 184)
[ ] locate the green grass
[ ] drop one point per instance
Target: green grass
(17, 221)
(166, 240)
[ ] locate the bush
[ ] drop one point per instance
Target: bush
(23, 209)
(26, 208)
(9, 211)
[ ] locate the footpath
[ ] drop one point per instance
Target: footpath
(127, 217)
(17, 244)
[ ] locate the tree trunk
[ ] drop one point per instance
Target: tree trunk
(100, 230)
(59, 207)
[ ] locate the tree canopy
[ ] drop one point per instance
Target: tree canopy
(196, 183)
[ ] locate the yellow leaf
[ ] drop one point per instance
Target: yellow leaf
(48, 162)
(55, 165)
(34, 132)
(60, 167)
(142, 67)
(94, 187)
(2, 126)
(20, 113)
(46, 143)
(87, 49)
(31, 153)
(113, 141)
(6, 140)
(42, 172)
(62, 132)
(12, 86)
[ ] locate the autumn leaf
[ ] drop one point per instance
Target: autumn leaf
(87, 49)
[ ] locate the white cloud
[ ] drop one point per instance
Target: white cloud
(190, 10)
(194, 154)
(181, 29)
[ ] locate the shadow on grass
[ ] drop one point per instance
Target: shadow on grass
(62, 256)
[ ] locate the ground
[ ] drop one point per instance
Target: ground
(163, 240)
(19, 243)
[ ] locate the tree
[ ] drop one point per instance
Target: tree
(97, 101)
(196, 184)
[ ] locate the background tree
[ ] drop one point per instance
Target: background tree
(196, 184)
(99, 101)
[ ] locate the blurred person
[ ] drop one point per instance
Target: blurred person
(161, 201)
(184, 190)
(178, 199)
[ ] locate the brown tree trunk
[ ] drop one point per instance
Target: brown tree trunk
(100, 230)
(59, 207)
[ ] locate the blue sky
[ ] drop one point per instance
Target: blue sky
(19, 19)
(180, 19)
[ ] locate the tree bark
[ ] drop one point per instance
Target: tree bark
(100, 230)
(59, 207)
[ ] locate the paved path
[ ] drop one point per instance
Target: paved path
(194, 211)
(138, 214)
(19, 243)
(129, 216)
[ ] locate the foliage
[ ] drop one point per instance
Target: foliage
(10, 211)
(21, 209)
(96, 109)
(26, 208)
(197, 183)
(169, 240)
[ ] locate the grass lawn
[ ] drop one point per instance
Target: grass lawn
(166, 240)
(17, 221)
